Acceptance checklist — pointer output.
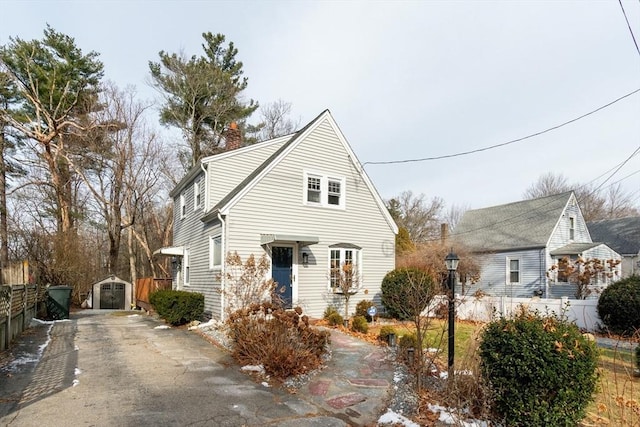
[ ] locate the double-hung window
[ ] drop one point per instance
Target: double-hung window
(572, 228)
(314, 189)
(514, 271)
(186, 267)
(324, 190)
(198, 193)
(183, 206)
(215, 252)
(344, 267)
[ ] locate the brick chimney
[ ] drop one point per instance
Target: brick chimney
(233, 137)
(444, 233)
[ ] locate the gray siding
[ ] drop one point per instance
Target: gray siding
(560, 235)
(193, 234)
(494, 275)
(275, 205)
(229, 169)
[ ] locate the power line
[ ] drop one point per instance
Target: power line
(629, 26)
(464, 153)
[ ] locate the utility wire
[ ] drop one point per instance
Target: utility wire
(464, 153)
(629, 26)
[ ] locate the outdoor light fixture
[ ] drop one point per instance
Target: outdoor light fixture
(305, 258)
(451, 262)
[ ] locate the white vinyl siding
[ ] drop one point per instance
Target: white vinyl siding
(274, 205)
(228, 170)
(278, 196)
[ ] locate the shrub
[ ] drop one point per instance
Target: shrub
(177, 307)
(359, 324)
(406, 291)
(385, 331)
(408, 340)
(541, 371)
(638, 357)
(335, 319)
(619, 306)
(279, 340)
(328, 312)
(362, 307)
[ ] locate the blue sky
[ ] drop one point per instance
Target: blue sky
(405, 79)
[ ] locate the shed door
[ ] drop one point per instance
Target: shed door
(112, 296)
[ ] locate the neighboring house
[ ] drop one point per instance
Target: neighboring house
(623, 236)
(519, 243)
(303, 200)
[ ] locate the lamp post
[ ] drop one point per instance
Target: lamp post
(452, 265)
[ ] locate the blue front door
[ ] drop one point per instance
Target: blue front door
(282, 269)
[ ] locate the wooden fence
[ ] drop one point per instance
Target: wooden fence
(18, 305)
(147, 285)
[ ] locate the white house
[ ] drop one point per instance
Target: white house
(519, 243)
(304, 200)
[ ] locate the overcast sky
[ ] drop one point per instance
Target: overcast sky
(405, 80)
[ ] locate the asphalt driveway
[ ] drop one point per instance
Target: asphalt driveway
(118, 369)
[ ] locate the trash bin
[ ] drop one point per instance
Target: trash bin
(59, 301)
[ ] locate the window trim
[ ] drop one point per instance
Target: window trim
(183, 206)
(186, 270)
(572, 228)
(198, 194)
(356, 257)
(510, 271)
(212, 264)
(325, 180)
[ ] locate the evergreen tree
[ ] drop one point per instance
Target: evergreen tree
(202, 95)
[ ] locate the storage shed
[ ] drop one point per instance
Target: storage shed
(111, 293)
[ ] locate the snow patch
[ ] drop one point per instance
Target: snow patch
(162, 327)
(77, 371)
(265, 384)
(133, 315)
(450, 417)
(75, 383)
(253, 368)
(393, 418)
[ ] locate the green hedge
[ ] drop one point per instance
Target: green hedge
(541, 370)
(177, 307)
(619, 306)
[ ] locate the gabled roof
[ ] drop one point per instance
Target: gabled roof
(519, 225)
(223, 206)
(621, 234)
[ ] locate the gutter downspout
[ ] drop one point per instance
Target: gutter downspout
(223, 233)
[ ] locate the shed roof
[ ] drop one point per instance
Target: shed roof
(574, 249)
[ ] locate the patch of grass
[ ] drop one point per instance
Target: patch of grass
(617, 398)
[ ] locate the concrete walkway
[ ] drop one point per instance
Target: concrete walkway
(114, 369)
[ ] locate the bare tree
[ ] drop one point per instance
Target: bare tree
(345, 283)
(584, 273)
(596, 203)
(275, 120)
(419, 216)
(454, 214)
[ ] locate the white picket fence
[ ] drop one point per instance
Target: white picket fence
(583, 312)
